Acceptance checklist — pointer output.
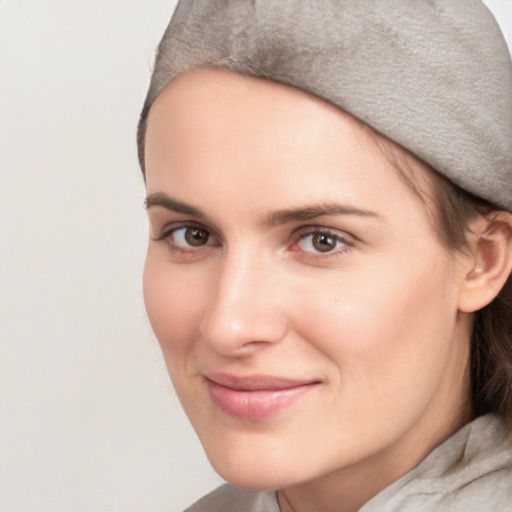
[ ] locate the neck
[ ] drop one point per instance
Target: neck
(350, 487)
(347, 490)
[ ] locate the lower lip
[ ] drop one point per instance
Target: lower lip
(257, 404)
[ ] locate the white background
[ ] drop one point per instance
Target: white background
(88, 420)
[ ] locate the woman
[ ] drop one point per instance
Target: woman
(328, 274)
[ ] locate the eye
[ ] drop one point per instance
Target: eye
(321, 242)
(191, 236)
(186, 238)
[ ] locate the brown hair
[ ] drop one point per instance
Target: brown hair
(452, 209)
(491, 341)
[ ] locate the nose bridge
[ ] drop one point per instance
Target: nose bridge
(244, 308)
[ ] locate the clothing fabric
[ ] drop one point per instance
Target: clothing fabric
(469, 472)
(434, 76)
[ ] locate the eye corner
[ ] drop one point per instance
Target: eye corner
(321, 242)
(186, 239)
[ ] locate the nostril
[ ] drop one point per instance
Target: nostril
(251, 330)
(244, 312)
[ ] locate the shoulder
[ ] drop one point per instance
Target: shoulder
(230, 499)
(490, 492)
(470, 471)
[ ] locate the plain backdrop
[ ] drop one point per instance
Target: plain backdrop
(88, 419)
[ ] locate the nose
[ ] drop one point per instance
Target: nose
(246, 310)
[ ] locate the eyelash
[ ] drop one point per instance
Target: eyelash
(167, 237)
(343, 243)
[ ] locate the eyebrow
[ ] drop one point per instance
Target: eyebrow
(314, 211)
(173, 205)
(273, 219)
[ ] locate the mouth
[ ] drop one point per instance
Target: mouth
(255, 397)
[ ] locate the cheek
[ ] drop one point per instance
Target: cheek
(390, 324)
(173, 302)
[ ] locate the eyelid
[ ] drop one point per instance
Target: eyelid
(315, 229)
(305, 231)
(348, 241)
(167, 231)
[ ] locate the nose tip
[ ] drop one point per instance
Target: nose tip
(243, 315)
(237, 328)
(233, 336)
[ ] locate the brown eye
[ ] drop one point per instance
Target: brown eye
(324, 242)
(187, 237)
(195, 237)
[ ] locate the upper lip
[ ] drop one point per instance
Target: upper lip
(256, 382)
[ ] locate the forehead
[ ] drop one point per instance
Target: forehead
(220, 131)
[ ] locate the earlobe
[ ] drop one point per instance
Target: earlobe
(490, 263)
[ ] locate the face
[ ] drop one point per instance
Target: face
(305, 309)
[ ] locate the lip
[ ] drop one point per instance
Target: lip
(255, 397)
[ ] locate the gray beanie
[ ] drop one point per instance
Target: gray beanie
(434, 76)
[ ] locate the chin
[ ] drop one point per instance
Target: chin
(250, 480)
(253, 470)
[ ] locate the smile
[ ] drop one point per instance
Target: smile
(255, 397)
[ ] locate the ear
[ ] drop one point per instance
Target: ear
(490, 262)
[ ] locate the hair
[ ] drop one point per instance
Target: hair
(451, 209)
(491, 340)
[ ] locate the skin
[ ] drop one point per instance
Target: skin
(375, 321)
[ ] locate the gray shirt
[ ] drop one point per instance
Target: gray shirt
(469, 472)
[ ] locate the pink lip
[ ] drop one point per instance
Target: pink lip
(255, 397)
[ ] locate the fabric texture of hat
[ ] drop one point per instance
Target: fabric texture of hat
(434, 76)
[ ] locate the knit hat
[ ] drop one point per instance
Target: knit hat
(434, 76)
